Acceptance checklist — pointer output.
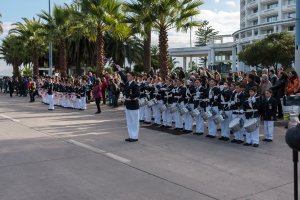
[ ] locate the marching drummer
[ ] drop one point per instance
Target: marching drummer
(158, 97)
(252, 111)
(179, 97)
(236, 104)
(269, 110)
(199, 102)
(189, 102)
(213, 95)
(149, 90)
(225, 108)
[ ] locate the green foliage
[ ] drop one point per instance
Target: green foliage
(205, 34)
(1, 28)
(26, 71)
(270, 51)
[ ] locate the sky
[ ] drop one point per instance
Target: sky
(223, 16)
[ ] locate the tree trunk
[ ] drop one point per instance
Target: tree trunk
(35, 60)
(163, 52)
(100, 51)
(16, 71)
(63, 58)
(147, 51)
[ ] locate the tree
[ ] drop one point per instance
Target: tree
(141, 20)
(204, 35)
(98, 17)
(33, 35)
(1, 28)
(171, 14)
(12, 50)
(277, 48)
(58, 32)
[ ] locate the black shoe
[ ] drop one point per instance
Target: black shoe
(247, 144)
(265, 140)
(176, 129)
(240, 142)
(147, 122)
(163, 126)
(226, 139)
(168, 126)
(141, 121)
(97, 112)
(233, 141)
(184, 131)
(127, 140)
(269, 140)
(188, 131)
(222, 138)
(255, 145)
(133, 140)
(198, 133)
(210, 136)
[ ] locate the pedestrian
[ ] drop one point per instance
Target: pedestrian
(50, 95)
(293, 83)
(11, 87)
(269, 109)
(103, 89)
(265, 84)
(32, 89)
(131, 93)
(97, 93)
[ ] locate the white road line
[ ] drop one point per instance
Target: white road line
(10, 118)
(99, 151)
(83, 134)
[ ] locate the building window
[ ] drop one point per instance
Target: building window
(255, 22)
(291, 2)
(291, 28)
(272, 19)
(273, 5)
(270, 31)
(292, 15)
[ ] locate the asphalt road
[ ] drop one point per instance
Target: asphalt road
(76, 155)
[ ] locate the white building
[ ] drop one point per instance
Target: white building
(258, 19)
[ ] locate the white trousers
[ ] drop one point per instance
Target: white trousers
(148, 114)
(133, 123)
(169, 117)
(212, 127)
(199, 124)
(253, 137)
(83, 103)
(269, 129)
(157, 113)
(142, 112)
(239, 135)
(188, 119)
(225, 131)
(51, 102)
(178, 120)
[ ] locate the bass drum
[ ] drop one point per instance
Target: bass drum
(236, 124)
(251, 124)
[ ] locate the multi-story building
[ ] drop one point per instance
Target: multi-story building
(259, 18)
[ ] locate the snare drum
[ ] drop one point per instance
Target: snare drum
(195, 112)
(206, 115)
(173, 108)
(251, 124)
(236, 124)
(142, 102)
(218, 119)
(163, 108)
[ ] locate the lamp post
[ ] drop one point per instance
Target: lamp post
(297, 38)
(50, 44)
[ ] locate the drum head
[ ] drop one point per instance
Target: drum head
(234, 122)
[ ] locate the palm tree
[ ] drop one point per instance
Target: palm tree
(141, 19)
(171, 14)
(1, 28)
(98, 17)
(58, 32)
(12, 51)
(33, 35)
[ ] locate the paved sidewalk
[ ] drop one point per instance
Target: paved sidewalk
(69, 155)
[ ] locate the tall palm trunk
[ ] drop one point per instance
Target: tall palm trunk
(35, 60)
(16, 71)
(63, 58)
(163, 52)
(100, 51)
(147, 51)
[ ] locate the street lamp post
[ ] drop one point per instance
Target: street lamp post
(50, 45)
(297, 38)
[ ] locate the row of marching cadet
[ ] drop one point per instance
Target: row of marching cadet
(234, 108)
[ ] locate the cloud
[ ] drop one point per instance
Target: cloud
(217, 1)
(222, 21)
(6, 27)
(231, 4)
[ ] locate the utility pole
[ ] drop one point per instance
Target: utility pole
(297, 38)
(50, 44)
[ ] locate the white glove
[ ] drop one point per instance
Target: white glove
(215, 97)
